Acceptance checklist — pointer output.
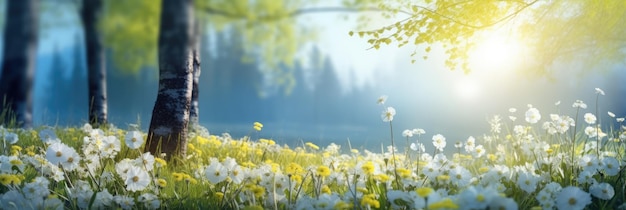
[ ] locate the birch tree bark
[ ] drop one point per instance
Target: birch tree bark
(170, 116)
(194, 110)
(91, 14)
(18, 66)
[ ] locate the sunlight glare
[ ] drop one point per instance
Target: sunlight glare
(467, 89)
(495, 54)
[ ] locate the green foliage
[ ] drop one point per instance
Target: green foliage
(131, 31)
(553, 31)
(450, 23)
(575, 30)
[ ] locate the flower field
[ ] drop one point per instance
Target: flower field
(528, 160)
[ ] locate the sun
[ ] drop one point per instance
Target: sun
(495, 53)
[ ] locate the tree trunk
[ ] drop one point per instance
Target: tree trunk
(194, 111)
(90, 14)
(18, 66)
(170, 117)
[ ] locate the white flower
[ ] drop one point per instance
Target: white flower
(572, 198)
(527, 181)
(439, 142)
(382, 99)
(579, 104)
(137, 179)
(418, 147)
(476, 197)
(557, 103)
(110, 146)
(589, 162)
(71, 160)
(125, 202)
(590, 118)
(48, 136)
(134, 139)
(610, 165)
(533, 116)
(388, 114)
(512, 110)
(619, 119)
(599, 91)
(149, 200)
(58, 152)
(123, 166)
(216, 172)
(146, 160)
(11, 138)
(407, 133)
(103, 200)
(418, 131)
(611, 114)
(602, 191)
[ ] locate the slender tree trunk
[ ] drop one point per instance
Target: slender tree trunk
(90, 14)
(18, 66)
(170, 117)
(194, 111)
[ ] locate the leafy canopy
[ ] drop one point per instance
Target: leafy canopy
(553, 31)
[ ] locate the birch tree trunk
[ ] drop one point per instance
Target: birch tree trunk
(194, 110)
(18, 66)
(170, 117)
(96, 65)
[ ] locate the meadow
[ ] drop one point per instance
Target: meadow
(529, 159)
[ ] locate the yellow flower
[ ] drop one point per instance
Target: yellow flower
(382, 177)
(326, 189)
(258, 191)
(7, 179)
(343, 206)
(492, 157)
(424, 191)
(483, 169)
(257, 126)
(403, 172)
(267, 141)
(323, 171)
(160, 162)
(219, 195)
(445, 203)
(368, 168)
(294, 168)
(370, 200)
(161, 182)
(178, 176)
(201, 140)
(355, 151)
(312, 146)
(15, 149)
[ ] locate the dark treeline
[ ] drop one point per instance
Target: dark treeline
(231, 91)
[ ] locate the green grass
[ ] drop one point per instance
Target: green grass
(248, 173)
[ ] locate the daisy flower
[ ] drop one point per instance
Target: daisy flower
(572, 198)
(10, 138)
(388, 114)
(134, 139)
(532, 115)
(381, 100)
(137, 179)
(439, 142)
(602, 191)
(58, 152)
(216, 172)
(590, 118)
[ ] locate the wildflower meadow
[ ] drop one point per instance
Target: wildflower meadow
(529, 159)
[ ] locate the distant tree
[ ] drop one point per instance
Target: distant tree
(91, 14)
(18, 66)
